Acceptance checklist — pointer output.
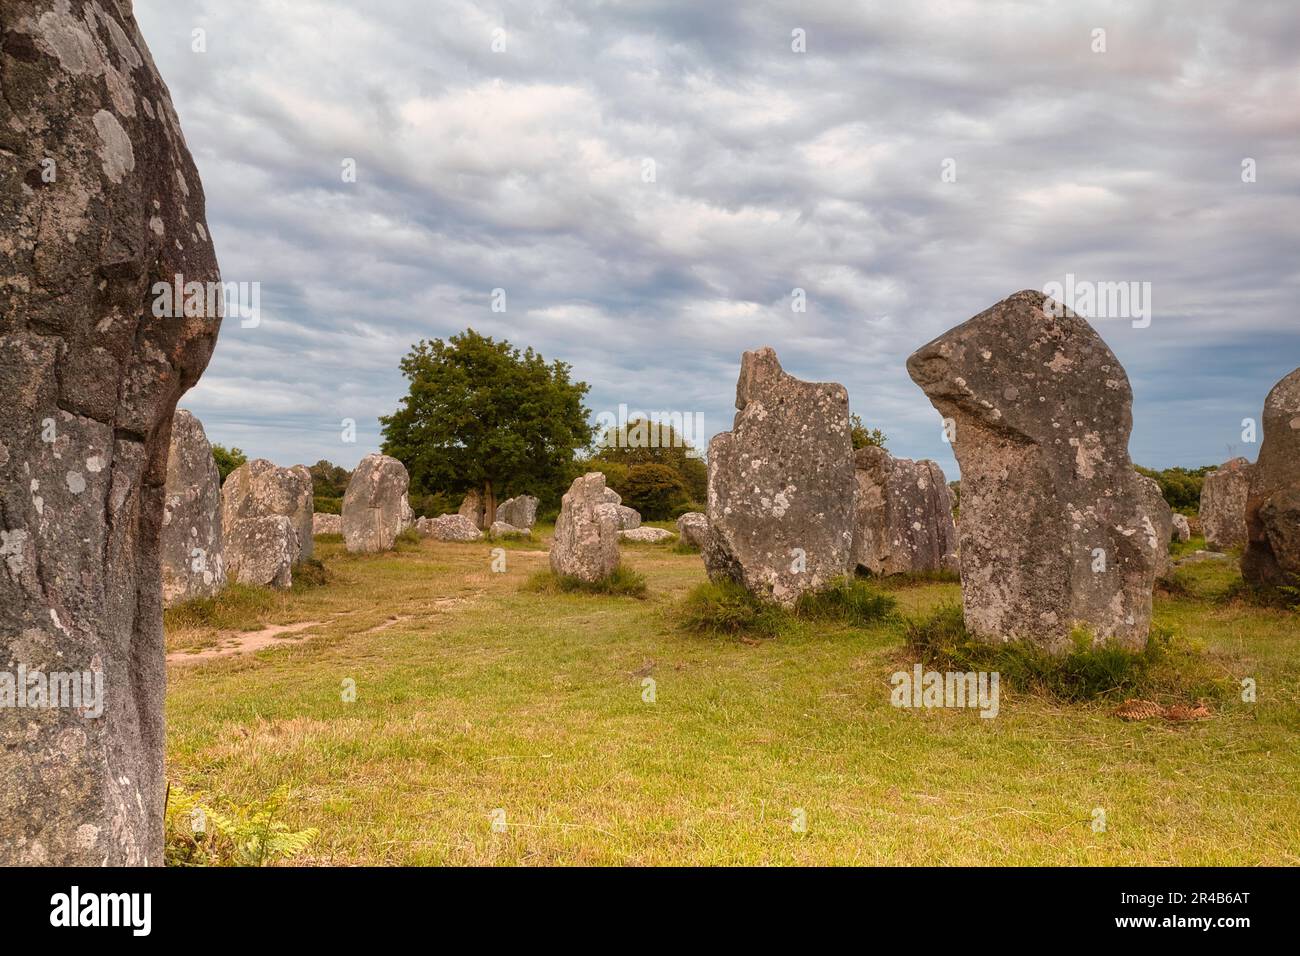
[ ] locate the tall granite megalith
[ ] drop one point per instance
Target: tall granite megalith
(375, 508)
(902, 515)
(1272, 556)
(192, 562)
(781, 485)
(1223, 505)
(101, 210)
(1055, 530)
(256, 491)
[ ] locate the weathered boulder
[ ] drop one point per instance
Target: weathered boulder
(902, 515)
(262, 551)
(1162, 519)
(502, 529)
(260, 488)
(586, 532)
(1055, 529)
(474, 508)
(322, 523)
(1182, 528)
(455, 527)
(1272, 555)
(1223, 505)
(781, 485)
(646, 535)
(520, 511)
(628, 518)
(192, 564)
(693, 528)
(375, 506)
(612, 497)
(100, 203)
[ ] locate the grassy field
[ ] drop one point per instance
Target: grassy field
(478, 700)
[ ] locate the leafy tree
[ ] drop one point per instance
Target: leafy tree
(227, 460)
(654, 490)
(328, 480)
(482, 414)
(1181, 487)
(643, 442)
(862, 437)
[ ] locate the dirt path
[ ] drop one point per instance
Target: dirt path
(245, 643)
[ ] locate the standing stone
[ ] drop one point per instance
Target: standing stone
(473, 508)
(1272, 556)
(375, 507)
(903, 515)
(1223, 505)
(628, 518)
(693, 528)
(192, 565)
(521, 512)
(322, 523)
(90, 375)
(262, 550)
(259, 489)
(1162, 518)
(1055, 529)
(1182, 528)
(781, 485)
(586, 532)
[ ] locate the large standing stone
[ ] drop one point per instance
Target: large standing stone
(1223, 505)
(1055, 529)
(99, 200)
(693, 528)
(1272, 554)
(521, 512)
(1162, 519)
(903, 515)
(259, 489)
(781, 485)
(262, 550)
(192, 564)
(586, 532)
(375, 507)
(473, 508)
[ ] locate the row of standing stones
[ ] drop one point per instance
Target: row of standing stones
(1041, 408)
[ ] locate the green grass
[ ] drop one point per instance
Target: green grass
(475, 694)
(622, 583)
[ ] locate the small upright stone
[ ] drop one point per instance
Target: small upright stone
(192, 563)
(322, 523)
(1182, 528)
(781, 485)
(1272, 556)
(1223, 505)
(375, 506)
(1162, 519)
(521, 512)
(1056, 531)
(693, 528)
(473, 508)
(262, 551)
(903, 515)
(628, 518)
(586, 532)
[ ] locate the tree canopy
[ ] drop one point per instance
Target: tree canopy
(228, 459)
(481, 414)
(637, 444)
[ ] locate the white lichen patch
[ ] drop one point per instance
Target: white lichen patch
(115, 152)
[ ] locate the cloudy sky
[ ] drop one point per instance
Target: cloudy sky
(525, 168)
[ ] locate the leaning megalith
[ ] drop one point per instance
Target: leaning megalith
(520, 512)
(262, 489)
(100, 205)
(192, 564)
(586, 532)
(902, 515)
(781, 485)
(375, 506)
(1055, 529)
(1272, 555)
(1223, 505)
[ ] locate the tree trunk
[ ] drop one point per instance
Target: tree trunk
(489, 505)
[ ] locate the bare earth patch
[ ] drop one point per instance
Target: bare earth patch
(245, 643)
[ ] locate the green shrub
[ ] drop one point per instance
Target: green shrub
(310, 574)
(248, 834)
(1168, 667)
(654, 490)
(238, 606)
(431, 506)
(624, 582)
(850, 600)
(327, 506)
(725, 607)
